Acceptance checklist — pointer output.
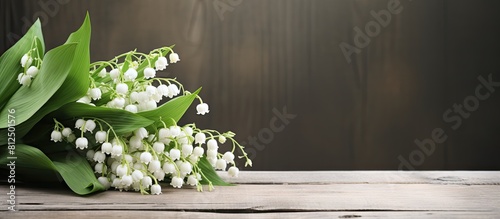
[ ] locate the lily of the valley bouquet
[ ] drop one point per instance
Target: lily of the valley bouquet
(101, 125)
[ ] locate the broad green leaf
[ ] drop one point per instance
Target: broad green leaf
(75, 83)
(173, 109)
(209, 174)
(10, 65)
(28, 100)
(121, 120)
(73, 168)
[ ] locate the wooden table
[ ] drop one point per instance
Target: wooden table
(312, 194)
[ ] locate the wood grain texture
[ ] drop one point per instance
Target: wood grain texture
(370, 194)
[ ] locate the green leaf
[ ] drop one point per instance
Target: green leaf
(28, 100)
(173, 109)
(73, 168)
(209, 174)
(122, 121)
(75, 82)
(10, 61)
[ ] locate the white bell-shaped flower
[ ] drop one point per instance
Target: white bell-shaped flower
(173, 90)
(122, 88)
(121, 170)
(26, 60)
(200, 138)
(222, 139)
(132, 108)
(174, 57)
(221, 164)
(146, 157)
(176, 182)
(161, 63)
(114, 74)
(198, 151)
(103, 73)
(155, 189)
(192, 180)
(127, 180)
(154, 166)
(90, 125)
(99, 157)
(135, 142)
(147, 181)
(175, 131)
(187, 150)
(186, 168)
(95, 93)
(100, 136)
(116, 151)
(175, 154)
(79, 123)
(82, 143)
(163, 90)
(25, 80)
(56, 136)
(202, 109)
(211, 154)
(212, 145)
(90, 154)
(130, 74)
(169, 168)
(159, 175)
(158, 147)
(106, 148)
(141, 133)
(137, 175)
(98, 168)
(149, 73)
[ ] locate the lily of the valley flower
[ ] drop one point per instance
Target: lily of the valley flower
(174, 57)
(149, 73)
(56, 136)
(82, 143)
(202, 108)
(161, 63)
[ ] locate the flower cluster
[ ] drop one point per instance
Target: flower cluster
(130, 85)
(30, 63)
(141, 159)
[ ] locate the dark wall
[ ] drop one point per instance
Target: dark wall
(257, 58)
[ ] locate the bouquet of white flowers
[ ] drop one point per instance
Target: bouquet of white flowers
(100, 125)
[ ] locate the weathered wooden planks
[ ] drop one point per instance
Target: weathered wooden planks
(321, 194)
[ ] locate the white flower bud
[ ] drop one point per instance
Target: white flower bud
(174, 57)
(228, 157)
(114, 74)
(122, 88)
(56, 136)
(176, 182)
(104, 182)
(26, 60)
(32, 71)
(155, 189)
(90, 154)
(82, 143)
(222, 139)
(131, 108)
(202, 109)
(233, 171)
(71, 138)
(66, 132)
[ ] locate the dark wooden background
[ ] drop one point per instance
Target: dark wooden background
(261, 55)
